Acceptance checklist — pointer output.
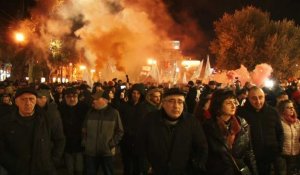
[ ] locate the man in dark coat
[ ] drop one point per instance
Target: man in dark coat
(172, 141)
(266, 131)
(30, 143)
(132, 113)
(72, 114)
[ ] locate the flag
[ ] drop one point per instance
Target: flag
(197, 71)
(207, 71)
(154, 73)
(184, 81)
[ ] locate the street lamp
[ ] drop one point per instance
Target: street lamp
(19, 37)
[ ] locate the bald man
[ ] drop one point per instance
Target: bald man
(266, 131)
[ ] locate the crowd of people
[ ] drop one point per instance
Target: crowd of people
(187, 129)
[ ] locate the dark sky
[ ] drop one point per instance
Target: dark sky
(207, 11)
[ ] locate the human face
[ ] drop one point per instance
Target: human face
(6, 100)
(289, 110)
(173, 105)
(256, 98)
(155, 98)
(26, 103)
(71, 99)
(111, 95)
(229, 107)
(136, 95)
(99, 103)
(59, 89)
(41, 101)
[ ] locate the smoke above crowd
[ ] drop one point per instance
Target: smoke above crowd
(122, 33)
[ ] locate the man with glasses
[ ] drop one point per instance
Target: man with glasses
(72, 114)
(170, 140)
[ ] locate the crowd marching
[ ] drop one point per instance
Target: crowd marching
(192, 129)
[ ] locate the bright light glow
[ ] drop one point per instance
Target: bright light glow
(82, 67)
(54, 79)
(269, 83)
(63, 80)
(93, 70)
(20, 37)
(43, 80)
(177, 70)
(67, 80)
(190, 63)
(58, 80)
(70, 64)
(26, 78)
(151, 61)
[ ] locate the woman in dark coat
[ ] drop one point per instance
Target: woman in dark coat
(229, 148)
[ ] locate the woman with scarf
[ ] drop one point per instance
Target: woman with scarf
(291, 130)
(229, 146)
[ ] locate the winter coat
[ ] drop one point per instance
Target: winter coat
(219, 155)
(46, 149)
(72, 119)
(171, 150)
(266, 130)
(103, 131)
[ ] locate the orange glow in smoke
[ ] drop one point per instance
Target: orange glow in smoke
(19, 37)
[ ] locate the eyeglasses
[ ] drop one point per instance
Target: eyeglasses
(173, 102)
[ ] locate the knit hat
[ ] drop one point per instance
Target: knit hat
(22, 91)
(173, 91)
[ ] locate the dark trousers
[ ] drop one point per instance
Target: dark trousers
(130, 161)
(264, 166)
(93, 163)
(291, 164)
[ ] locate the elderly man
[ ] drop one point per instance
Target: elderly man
(266, 130)
(103, 131)
(171, 140)
(30, 143)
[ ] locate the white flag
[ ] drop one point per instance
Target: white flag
(208, 71)
(197, 71)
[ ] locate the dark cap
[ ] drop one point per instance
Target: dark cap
(24, 90)
(43, 92)
(212, 83)
(70, 90)
(97, 95)
(173, 91)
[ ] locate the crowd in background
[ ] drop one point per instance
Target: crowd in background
(192, 128)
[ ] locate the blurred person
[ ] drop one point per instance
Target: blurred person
(170, 140)
(296, 99)
(102, 131)
(209, 88)
(266, 131)
(72, 114)
(153, 99)
(30, 142)
(191, 97)
(132, 113)
(228, 138)
(242, 95)
(58, 94)
(291, 130)
(202, 109)
(281, 96)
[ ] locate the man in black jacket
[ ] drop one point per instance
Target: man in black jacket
(266, 131)
(30, 143)
(72, 114)
(171, 140)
